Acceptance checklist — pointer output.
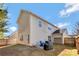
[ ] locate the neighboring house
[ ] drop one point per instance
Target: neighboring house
(58, 36)
(32, 29)
(61, 37)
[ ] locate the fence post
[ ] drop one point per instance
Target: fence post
(77, 44)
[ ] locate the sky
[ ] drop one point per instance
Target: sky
(63, 15)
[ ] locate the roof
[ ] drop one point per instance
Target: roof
(38, 17)
(57, 31)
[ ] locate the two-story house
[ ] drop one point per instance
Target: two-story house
(32, 29)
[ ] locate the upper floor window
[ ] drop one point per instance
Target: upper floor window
(49, 28)
(40, 24)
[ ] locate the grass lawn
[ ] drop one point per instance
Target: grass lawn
(65, 50)
(22, 50)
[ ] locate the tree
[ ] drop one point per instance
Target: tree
(76, 29)
(3, 21)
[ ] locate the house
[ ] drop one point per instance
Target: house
(32, 29)
(58, 36)
(61, 36)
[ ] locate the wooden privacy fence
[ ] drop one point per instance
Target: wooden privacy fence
(10, 40)
(3, 42)
(69, 41)
(77, 44)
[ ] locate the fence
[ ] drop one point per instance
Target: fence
(3, 42)
(11, 39)
(69, 41)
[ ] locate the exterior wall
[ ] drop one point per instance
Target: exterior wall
(49, 32)
(29, 25)
(39, 33)
(58, 38)
(24, 27)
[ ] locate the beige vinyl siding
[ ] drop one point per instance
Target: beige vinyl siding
(37, 33)
(24, 26)
(29, 25)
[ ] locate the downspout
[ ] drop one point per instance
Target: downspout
(62, 38)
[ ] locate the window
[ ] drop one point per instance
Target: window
(28, 39)
(49, 38)
(40, 24)
(21, 38)
(49, 28)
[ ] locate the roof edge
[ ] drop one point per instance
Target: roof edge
(39, 17)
